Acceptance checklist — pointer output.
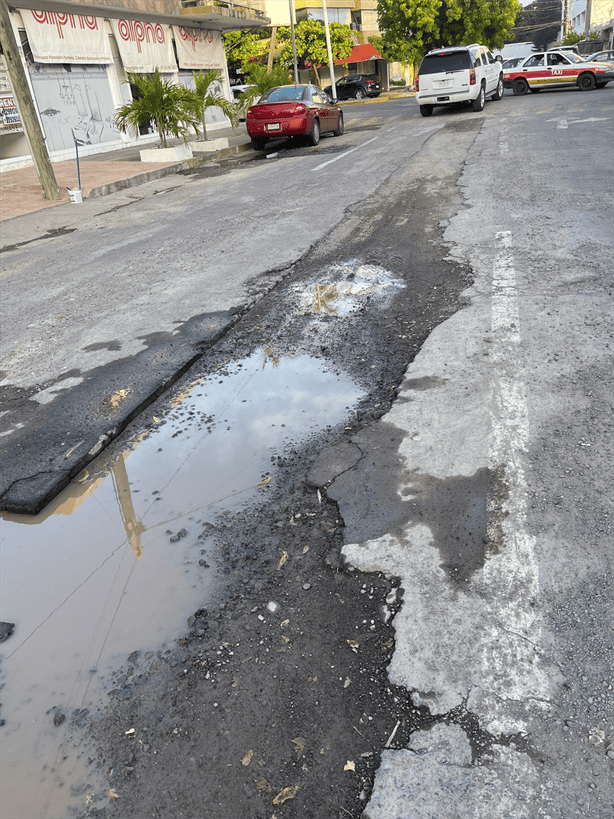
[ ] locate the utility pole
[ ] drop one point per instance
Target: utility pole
(25, 103)
(563, 19)
(331, 65)
(269, 62)
(292, 24)
(587, 21)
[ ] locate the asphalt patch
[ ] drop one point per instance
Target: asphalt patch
(50, 234)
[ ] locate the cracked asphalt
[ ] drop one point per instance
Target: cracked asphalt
(413, 613)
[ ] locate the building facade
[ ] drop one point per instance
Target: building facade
(75, 54)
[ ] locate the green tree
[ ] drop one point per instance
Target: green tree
(410, 28)
(311, 43)
(207, 95)
(156, 100)
(243, 46)
(571, 38)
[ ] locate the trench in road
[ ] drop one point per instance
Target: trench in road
(122, 558)
(378, 244)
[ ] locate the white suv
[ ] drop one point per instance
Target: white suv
(458, 74)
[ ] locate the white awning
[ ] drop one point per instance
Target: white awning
(66, 38)
(198, 48)
(144, 46)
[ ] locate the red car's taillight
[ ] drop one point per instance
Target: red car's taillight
(417, 83)
(472, 77)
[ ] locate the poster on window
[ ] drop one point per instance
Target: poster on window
(10, 121)
(198, 48)
(144, 47)
(75, 104)
(66, 38)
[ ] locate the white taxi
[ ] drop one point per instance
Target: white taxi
(556, 69)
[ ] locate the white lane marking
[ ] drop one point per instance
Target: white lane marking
(516, 630)
(563, 124)
(345, 153)
(503, 143)
(590, 119)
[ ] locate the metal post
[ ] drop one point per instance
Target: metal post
(292, 24)
(78, 168)
(331, 65)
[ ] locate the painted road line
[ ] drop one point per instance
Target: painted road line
(516, 629)
(345, 153)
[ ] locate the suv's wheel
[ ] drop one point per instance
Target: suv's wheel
(314, 135)
(426, 110)
(359, 94)
(339, 129)
(586, 82)
(258, 144)
(499, 92)
(478, 102)
(520, 87)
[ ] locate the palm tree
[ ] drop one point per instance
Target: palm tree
(207, 95)
(159, 101)
(262, 80)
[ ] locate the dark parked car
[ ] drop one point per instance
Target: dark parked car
(356, 86)
(293, 111)
(600, 57)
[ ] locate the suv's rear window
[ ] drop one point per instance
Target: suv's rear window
(438, 63)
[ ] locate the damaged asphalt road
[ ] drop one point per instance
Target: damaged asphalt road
(261, 706)
(409, 614)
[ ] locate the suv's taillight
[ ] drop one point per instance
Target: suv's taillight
(472, 77)
(417, 83)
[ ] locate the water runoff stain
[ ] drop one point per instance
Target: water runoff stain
(119, 561)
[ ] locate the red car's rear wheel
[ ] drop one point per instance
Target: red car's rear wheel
(314, 134)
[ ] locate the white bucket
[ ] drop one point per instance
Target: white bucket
(75, 196)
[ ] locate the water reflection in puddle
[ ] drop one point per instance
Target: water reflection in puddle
(102, 571)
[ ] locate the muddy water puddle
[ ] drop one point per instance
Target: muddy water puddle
(122, 558)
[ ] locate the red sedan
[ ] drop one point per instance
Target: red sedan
(293, 111)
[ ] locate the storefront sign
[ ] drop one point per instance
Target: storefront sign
(10, 122)
(198, 48)
(66, 38)
(144, 47)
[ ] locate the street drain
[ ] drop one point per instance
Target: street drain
(124, 555)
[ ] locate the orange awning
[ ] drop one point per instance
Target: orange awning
(360, 54)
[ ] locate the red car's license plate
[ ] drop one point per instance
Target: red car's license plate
(273, 126)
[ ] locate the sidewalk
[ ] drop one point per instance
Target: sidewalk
(21, 192)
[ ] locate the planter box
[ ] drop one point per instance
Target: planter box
(210, 145)
(176, 154)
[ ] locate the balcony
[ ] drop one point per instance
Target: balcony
(225, 14)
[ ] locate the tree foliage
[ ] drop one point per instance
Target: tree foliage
(410, 28)
(243, 46)
(539, 23)
(311, 43)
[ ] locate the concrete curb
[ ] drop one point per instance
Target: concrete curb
(149, 176)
